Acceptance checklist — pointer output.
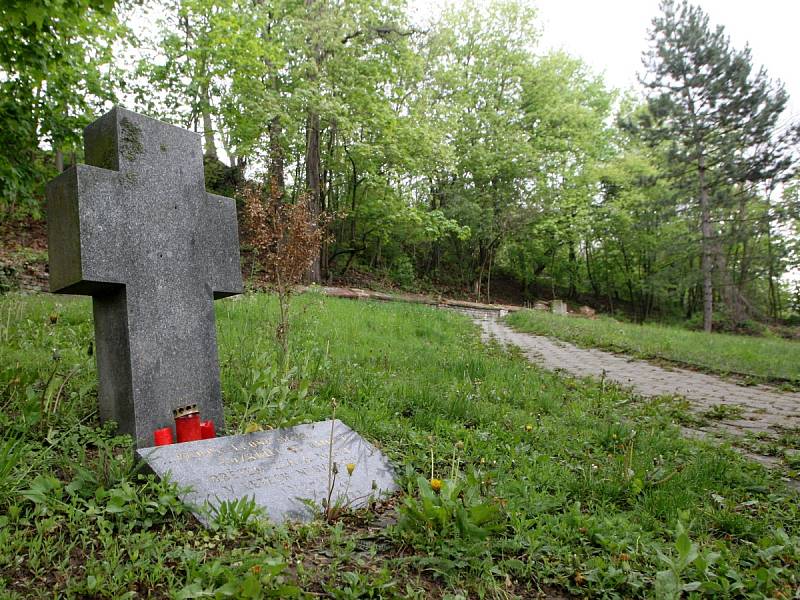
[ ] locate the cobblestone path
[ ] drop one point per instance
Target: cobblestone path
(754, 409)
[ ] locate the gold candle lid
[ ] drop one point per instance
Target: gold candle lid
(185, 411)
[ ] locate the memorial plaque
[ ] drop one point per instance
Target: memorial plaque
(279, 468)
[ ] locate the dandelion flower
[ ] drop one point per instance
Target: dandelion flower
(528, 427)
(350, 468)
(436, 485)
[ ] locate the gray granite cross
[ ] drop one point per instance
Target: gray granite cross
(135, 229)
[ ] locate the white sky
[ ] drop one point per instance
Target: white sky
(610, 35)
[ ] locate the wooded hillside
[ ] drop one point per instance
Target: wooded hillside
(444, 152)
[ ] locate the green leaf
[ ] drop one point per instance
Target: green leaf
(251, 587)
(41, 489)
(683, 544)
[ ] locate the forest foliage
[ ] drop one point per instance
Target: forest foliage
(443, 150)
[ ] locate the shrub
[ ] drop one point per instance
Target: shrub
(403, 271)
(286, 238)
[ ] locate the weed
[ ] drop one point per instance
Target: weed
(234, 515)
(724, 412)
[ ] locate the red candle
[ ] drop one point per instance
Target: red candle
(187, 423)
(207, 430)
(163, 436)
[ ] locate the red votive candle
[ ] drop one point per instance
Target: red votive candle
(163, 436)
(187, 423)
(207, 430)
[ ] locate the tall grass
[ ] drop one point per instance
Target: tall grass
(548, 481)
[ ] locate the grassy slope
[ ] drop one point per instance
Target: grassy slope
(760, 358)
(557, 483)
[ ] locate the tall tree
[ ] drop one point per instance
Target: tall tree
(477, 58)
(715, 118)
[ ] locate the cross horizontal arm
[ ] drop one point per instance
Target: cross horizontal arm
(85, 244)
(222, 241)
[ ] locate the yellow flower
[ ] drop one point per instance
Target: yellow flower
(350, 468)
(436, 485)
(528, 427)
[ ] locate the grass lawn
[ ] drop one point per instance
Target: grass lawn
(549, 483)
(765, 359)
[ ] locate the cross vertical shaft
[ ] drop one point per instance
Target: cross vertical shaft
(136, 230)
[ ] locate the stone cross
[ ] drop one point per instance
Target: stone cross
(135, 229)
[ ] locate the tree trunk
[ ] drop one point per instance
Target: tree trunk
(329, 200)
(572, 292)
(313, 184)
(353, 195)
(313, 160)
(774, 297)
(59, 160)
(587, 253)
(742, 235)
(489, 279)
(706, 258)
(208, 124)
(437, 201)
(277, 185)
(481, 265)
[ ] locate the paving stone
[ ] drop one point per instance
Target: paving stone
(764, 409)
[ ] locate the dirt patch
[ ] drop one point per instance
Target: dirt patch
(23, 256)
